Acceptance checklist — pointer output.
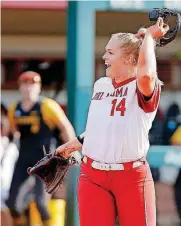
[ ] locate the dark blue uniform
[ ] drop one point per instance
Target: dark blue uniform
(36, 128)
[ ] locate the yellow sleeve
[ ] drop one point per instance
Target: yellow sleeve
(52, 113)
(11, 117)
(176, 137)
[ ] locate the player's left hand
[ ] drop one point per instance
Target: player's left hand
(52, 170)
(159, 29)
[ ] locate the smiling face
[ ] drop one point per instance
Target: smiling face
(121, 56)
(114, 58)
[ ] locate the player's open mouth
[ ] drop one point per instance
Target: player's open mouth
(107, 66)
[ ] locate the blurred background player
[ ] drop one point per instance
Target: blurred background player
(8, 157)
(35, 118)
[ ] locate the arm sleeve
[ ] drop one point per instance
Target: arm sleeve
(52, 113)
(11, 118)
(149, 104)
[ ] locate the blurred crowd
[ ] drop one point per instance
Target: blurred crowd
(166, 130)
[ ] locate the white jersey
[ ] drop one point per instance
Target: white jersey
(119, 120)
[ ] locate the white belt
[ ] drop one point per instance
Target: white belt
(111, 166)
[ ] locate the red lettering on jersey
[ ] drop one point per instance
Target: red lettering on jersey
(118, 107)
(125, 92)
(112, 94)
(98, 96)
(95, 96)
(119, 92)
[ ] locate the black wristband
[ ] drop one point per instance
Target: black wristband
(80, 139)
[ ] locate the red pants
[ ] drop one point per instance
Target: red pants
(128, 194)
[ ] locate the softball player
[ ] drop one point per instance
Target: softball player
(115, 178)
(35, 118)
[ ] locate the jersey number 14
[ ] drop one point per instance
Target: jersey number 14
(120, 106)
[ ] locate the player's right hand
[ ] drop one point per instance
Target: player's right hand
(159, 29)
